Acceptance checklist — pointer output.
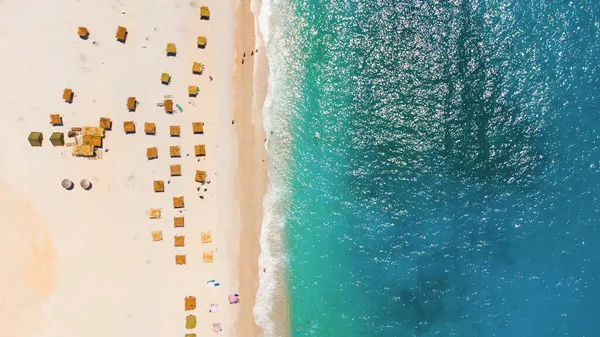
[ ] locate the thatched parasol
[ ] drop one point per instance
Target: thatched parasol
(67, 184)
(85, 184)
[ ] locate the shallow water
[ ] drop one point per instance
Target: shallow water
(435, 166)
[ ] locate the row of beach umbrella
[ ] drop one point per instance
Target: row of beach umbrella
(68, 184)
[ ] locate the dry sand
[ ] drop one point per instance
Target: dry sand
(82, 262)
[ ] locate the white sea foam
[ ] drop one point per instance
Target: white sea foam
(272, 285)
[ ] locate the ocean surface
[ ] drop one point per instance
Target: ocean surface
(434, 167)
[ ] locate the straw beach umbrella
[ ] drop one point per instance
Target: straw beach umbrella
(85, 184)
(67, 184)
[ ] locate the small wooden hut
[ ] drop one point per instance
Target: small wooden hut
(68, 95)
(198, 127)
(57, 139)
(55, 120)
(175, 170)
(92, 131)
(193, 90)
(168, 104)
(197, 68)
(165, 78)
(129, 127)
(202, 42)
(200, 176)
(178, 202)
(204, 13)
(179, 241)
(95, 141)
(157, 235)
(175, 130)
(131, 104)
(151, 153)
(121, 34)
(171, 49)
(178, 222)
(208, 257)
(154, 213)
(105, 123)
(200, 150)
(150, 128)
(206, 237)
(190, 303)
(83, 33)
(159, 186)
(83, 150)
(35, 138)
(175, 151)
(180, 259)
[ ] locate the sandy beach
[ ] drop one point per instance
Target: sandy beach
(83, 261)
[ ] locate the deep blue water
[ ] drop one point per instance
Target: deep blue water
(441, 161)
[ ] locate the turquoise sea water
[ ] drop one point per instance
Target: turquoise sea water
(438, 163)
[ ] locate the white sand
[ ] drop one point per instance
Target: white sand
(82, 262)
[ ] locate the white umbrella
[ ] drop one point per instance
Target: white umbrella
(67, 184)
(213, 308)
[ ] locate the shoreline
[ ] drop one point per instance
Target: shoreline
(249, 96)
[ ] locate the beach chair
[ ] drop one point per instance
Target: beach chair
(157, 235)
